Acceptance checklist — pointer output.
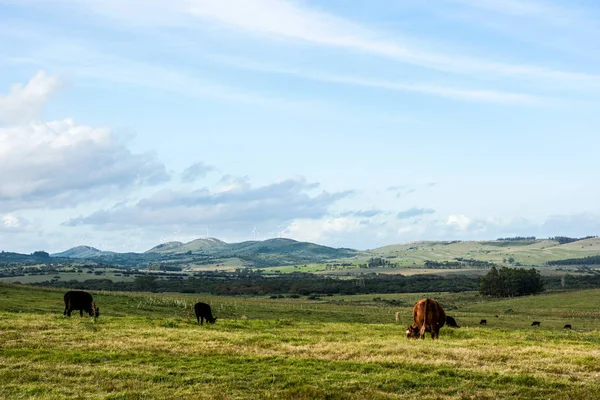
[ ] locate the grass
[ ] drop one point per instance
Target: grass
(343, 347)
(536, 253)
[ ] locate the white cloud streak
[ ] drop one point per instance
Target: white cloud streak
(283, 19)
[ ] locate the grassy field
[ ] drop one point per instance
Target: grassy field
(536, 253)
(148, 346)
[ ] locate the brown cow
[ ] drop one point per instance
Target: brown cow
(429, 316)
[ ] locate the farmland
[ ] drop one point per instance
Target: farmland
(149, 346)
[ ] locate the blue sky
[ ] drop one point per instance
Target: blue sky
(125, 123)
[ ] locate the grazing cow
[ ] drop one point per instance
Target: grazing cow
(483, 322)
(82, 301)
(567, 326)
(203, 312)
(451, 322)
(429, 316)
(535, 323)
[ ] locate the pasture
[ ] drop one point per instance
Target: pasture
(341, 347)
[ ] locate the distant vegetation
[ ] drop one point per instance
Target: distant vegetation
(517, 239)
(459, 263)
(591, 260)
(565, 239)
(375, 262)
(247, 282)
(511, 282)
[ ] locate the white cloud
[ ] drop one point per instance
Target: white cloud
(10, 221)
(325, 230)
(59, 163)
(226, 209)
(459, 221)
(26, 103)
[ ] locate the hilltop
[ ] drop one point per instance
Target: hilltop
(193, 246)
(82, 252)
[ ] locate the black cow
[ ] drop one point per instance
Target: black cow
(203, 312)
(535, 323)
(567, 326)
(82, 301)
(483, 322)
(451, 322)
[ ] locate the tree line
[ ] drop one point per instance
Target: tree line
(510, 282)
(590, 260)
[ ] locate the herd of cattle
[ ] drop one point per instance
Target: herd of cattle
(428, 314)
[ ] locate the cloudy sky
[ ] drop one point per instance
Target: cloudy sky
(125, 123)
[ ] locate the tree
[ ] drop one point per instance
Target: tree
(509, 282)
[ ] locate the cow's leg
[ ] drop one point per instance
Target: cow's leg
(81, 313)
(198, 318)
(201, 320)
(68, 312)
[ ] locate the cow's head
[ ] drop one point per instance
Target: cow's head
(211, 321)
(412, 332)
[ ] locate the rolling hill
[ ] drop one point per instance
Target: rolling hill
(527, 252)
(198, 245)
(82, 252)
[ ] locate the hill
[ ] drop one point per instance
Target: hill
(525, 252)
(82, 252)
(198, 245)
(165, 247)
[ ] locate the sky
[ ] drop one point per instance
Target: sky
(128, 123)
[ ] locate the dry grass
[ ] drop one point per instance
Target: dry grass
(157, 352)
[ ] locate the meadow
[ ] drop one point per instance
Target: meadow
(149, 346)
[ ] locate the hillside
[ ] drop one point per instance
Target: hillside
(199, 245)
(534, 252)
(82, 252)
(165, 247)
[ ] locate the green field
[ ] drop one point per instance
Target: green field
(148, 346)
(526, 253)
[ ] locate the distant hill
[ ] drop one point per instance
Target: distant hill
(278, 251)
(193, 246)
(165, 247)
(289, 247)
(282, 251)
(525, 252)
(82, 252)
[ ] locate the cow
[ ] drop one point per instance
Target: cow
(451, 322)
(82, 301)
(203, 312)
(483, 322)
(535, 323)
(429, 316)
(567, 326)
